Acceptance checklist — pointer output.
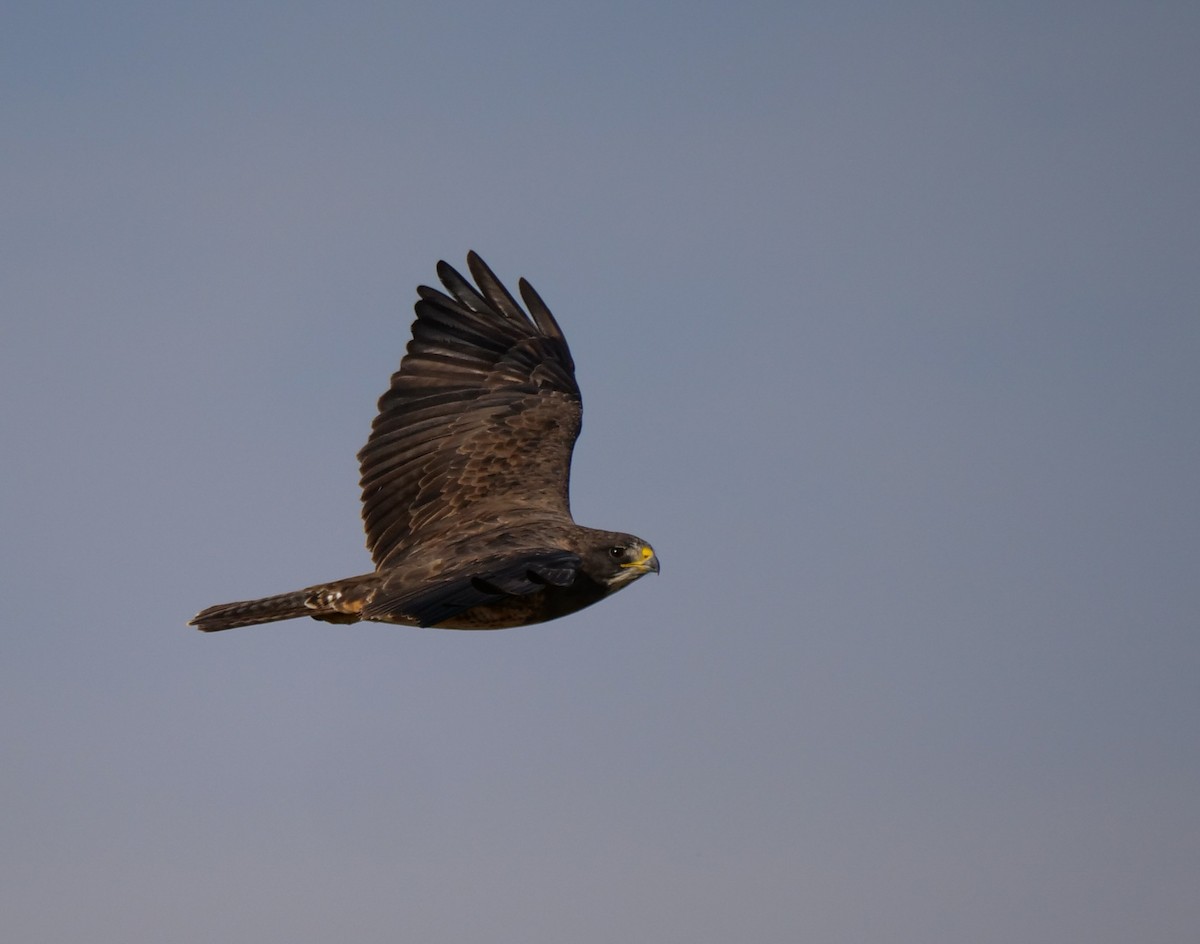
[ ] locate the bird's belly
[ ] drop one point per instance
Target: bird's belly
(514, 611)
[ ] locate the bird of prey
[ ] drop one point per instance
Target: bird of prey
(465, 480)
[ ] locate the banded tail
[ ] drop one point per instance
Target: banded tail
(252, 612)
(338, 602)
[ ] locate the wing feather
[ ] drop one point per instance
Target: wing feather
(541, 313)
(496, 294)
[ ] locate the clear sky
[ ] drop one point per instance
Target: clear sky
(887, 318)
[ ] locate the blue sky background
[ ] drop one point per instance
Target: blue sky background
(887, 318)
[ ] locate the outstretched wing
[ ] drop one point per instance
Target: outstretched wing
(476, 432)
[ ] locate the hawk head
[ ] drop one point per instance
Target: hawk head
(613, 559)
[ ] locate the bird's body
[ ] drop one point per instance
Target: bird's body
(465, 480)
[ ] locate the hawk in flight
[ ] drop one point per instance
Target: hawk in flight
(465, 480)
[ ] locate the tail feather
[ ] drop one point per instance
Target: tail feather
(252, 612)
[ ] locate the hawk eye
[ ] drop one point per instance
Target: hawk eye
(617, 552)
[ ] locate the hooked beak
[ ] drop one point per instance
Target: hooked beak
(648, 564)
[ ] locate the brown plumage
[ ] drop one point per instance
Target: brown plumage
(465, 480)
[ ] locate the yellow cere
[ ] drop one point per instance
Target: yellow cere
(647, 553)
